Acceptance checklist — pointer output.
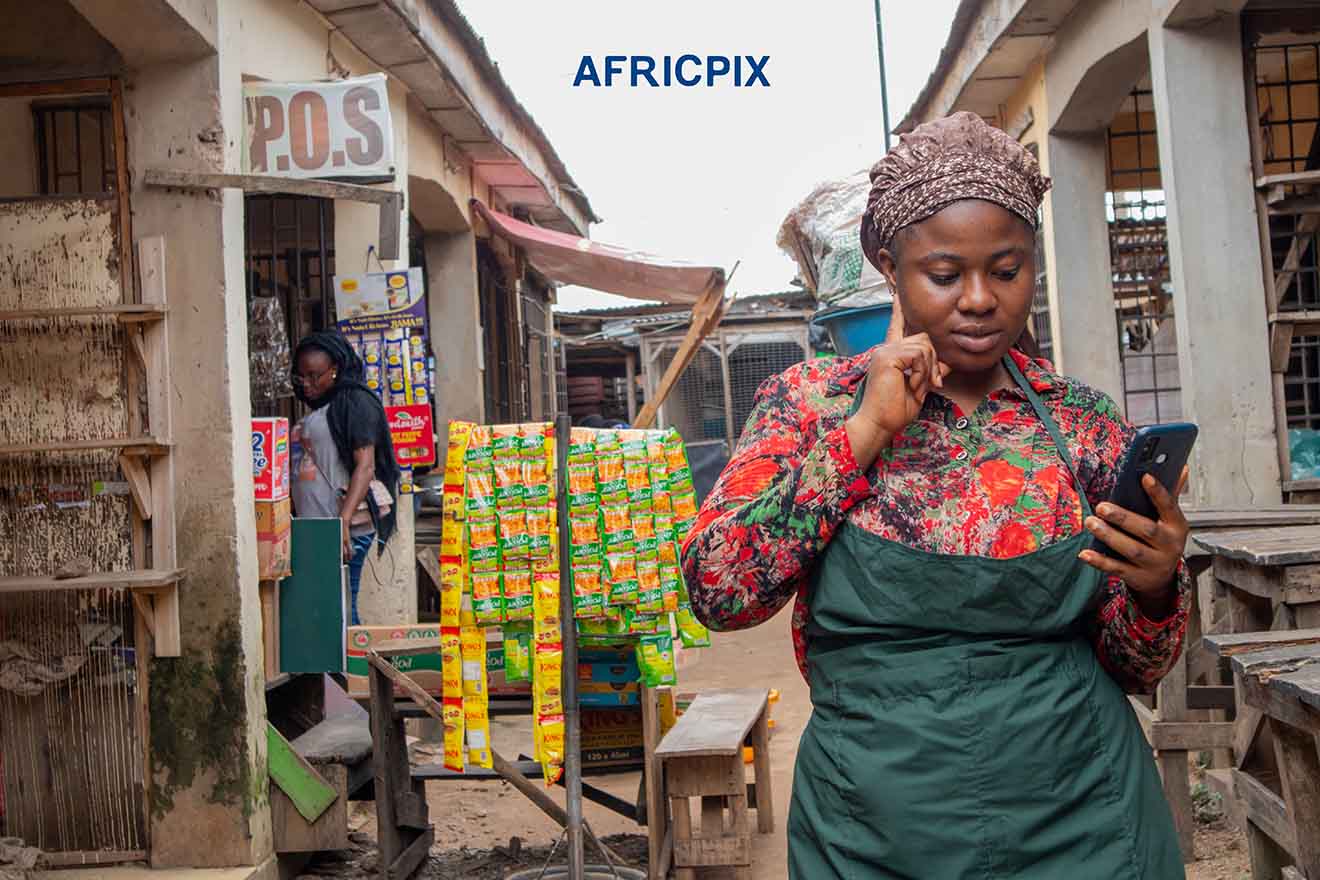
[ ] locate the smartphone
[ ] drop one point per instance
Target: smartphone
(1159, 450)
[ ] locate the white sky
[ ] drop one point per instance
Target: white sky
(708, 174)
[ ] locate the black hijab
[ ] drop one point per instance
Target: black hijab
(356, 418)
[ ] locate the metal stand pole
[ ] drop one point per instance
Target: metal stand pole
(572, 725)
(884, 86)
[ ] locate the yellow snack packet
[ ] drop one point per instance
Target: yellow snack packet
(451, 592)
(476, 712)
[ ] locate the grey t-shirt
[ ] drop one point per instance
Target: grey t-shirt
(320, 477)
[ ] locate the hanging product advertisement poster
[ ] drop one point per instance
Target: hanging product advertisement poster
(413, 433)
(338, 129)
(383, 314)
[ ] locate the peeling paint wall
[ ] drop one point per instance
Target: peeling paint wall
(60, 380)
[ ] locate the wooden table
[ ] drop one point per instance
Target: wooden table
(1190, 710)
(1271, 572)
(1279, 789)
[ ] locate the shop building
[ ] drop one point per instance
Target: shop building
(127, 177)
(1179, 240)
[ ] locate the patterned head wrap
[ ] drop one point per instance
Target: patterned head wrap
(942, 162)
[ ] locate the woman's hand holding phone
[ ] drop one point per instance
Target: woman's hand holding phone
(1151, 549)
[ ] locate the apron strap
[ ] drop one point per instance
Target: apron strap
(1044, 415)
(1041, 413)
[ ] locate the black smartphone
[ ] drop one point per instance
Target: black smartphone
(1159, 450)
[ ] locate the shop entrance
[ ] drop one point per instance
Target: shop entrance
(290, 267)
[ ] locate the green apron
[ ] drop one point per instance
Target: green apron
(962, 726)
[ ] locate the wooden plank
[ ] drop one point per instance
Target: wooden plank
(1278, 583)
(1294, 545)
(99, 857)
(711, 852)
(1302, 685)
(706, 315)
(390, 760)
(681, 816)
(1238, 518)
(715, 724)
(1299, 771)
(1191, 735)
(149, 579)
(139, 484)
(294, 834)
(765, 800)
(1297, 177)
(1273, 704)
(298, 779)
(1281, 339)
(390, 202)
(119, 138)
(129, 313)
(1211, 696)
(1264, 808)
(657, 825)
(411, 858)
(83, 86)
(410, 811)
(428, 558)
(1230, 644)
(699, 776)
(270, 628)
(127, 445)
(1178, 793)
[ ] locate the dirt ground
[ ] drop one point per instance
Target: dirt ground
(475, 821)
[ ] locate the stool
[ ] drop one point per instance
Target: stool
(702, 759)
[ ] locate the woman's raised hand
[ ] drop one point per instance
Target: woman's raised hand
(903, 371)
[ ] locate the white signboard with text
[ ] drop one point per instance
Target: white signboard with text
(319, 129)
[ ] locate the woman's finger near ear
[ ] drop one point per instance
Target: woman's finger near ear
(897, 326)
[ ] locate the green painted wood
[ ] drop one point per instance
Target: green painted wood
(314, 600)
(306, 788)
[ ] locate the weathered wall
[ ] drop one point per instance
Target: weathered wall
(451, 262)
(208, 706)
(18, 171)
(1215, 262)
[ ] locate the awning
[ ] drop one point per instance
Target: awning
(568, 259)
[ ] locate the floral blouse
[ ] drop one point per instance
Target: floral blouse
(987, 483)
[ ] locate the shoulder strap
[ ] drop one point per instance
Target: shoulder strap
(1050, 425)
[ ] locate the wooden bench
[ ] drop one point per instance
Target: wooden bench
(1277, 781)
(339, 750)
(702, 758)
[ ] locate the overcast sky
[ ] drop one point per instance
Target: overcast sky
(708, 174)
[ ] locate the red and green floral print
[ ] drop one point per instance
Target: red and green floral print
(987, 483)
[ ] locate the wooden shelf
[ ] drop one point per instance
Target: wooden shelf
(150, 446)
(134, 313)
(1297, 177)
(148, 579)
(1301, 486)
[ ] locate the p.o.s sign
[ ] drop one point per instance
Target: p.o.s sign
(320, 129)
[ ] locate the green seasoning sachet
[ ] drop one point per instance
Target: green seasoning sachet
(690, 630)
(655, 658)
(517, 654)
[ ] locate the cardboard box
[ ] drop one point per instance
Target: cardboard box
(421, 668)
(612, 737)
(270, 459)
(274, 539)
(605, 694)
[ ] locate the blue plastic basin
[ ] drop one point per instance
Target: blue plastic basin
(853, 331)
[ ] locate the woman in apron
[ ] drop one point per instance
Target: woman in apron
(930, 505)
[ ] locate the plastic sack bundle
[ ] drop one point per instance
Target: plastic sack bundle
(821, 234)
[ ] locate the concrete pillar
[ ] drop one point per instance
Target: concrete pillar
(451, 266)
(1081, 283)
(209, 803)
(1215, 260)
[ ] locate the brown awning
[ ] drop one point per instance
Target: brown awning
(569, 259)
